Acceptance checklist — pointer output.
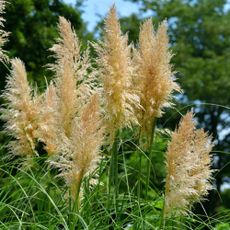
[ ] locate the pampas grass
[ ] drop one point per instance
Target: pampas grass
(188, 167)
(70, 71)
(116, 69)
(22, 111)
(82, 109)
(82, 155)
(48, 130)
(154, 79)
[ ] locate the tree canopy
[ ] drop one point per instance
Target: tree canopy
(35, 32)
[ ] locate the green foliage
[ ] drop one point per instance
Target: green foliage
(226, 198)
(224, 226)
(32, 197)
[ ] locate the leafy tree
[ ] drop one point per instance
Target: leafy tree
(35, 32)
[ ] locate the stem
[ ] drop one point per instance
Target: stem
(113, 182)
(70, 207)
(76, 201)
(140, 165)
(78, 189)
(149, 153)
(139, 176)
(162, 221)
(113, 173)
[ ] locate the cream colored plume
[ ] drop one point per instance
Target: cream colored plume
(188, 167)
(82, 151)
(3, 34)
(114, 60)
(154, 79)
(73, 89)
(71, 130)
(48, 131)
(22, 112)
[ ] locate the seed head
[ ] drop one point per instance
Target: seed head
(154, 79)
(114, 60)
(188, 167)
(71, 69)
(80, 156)
(22, 112)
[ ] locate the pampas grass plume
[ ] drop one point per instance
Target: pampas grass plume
(48, 131)
(70, 69)
(66, 52)
(22, 112)
(154, 79)
(188, 167)
(114, 60)
(84, 147)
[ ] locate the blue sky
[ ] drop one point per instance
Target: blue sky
(94, 7)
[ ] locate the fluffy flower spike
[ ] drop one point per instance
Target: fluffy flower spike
(188, 167)
(48, 131)
(154, 78)
(71, 69)
(116, 72)
(22, 113)
(84, 147)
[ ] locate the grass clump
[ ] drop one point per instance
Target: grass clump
(72, 161)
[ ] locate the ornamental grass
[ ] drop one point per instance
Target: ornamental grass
(79, 131)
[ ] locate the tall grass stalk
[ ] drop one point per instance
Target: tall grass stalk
(75, 209)
(113, 174)
(149, 160)
(139, 186)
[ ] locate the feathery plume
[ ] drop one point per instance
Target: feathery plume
(21, 114)
(3, 34)
(71, 70)
(82, 155)
(114, 60)
(48, 131)
(153, 80)
(188, 167)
